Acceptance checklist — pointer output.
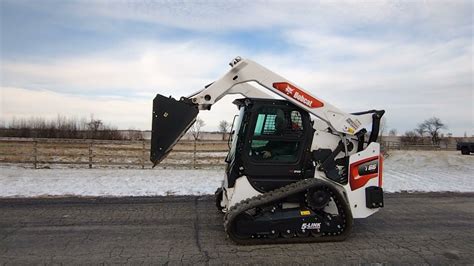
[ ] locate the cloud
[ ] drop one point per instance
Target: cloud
(436, 20)
(142, 67)
(413, 59)
(25, 103)
(412, 81)
(439, 18)
(123, 113)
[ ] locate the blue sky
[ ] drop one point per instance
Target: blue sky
(109, 58)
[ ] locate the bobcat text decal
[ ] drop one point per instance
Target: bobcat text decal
(297, 94)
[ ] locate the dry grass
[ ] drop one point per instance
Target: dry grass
(126, 154)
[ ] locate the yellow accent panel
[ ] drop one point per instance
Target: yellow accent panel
(305, 213)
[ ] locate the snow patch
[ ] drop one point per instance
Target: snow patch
(19, 182)
(424, 171)
(428, 171)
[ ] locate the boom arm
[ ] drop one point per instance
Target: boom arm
(244, 71)
(172, 118)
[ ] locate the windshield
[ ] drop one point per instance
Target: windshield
(235, 134)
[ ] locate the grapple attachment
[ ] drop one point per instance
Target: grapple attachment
(171, 119)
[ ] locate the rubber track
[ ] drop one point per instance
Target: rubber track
(279, 194)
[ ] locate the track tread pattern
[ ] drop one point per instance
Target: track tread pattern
(280, 194)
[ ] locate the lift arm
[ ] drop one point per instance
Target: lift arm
(244, 71)
(172, 118)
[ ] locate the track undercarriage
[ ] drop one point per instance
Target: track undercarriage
(263, 220)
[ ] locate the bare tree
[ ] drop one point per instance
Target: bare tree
(196, 128)
(224, 127)
(393, 132)
(94, 124)
(433, 126)
(420, 132)
(196, 131)
(410, 137)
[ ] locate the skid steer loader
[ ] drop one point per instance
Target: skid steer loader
(298, 169)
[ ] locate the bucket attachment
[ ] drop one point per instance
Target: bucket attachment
(171, 119)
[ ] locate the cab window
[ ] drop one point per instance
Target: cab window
(277, 135)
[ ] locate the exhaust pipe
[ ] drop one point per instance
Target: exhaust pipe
(171, 119)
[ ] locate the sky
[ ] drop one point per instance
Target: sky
(413, 59)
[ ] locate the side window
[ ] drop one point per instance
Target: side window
(265, 125)
(296, 120)
(277, 135)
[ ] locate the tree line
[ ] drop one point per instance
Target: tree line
(64, 127)
(428, 129)
(92, 128)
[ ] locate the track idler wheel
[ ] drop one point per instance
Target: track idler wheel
(244, 219)
(317, 199)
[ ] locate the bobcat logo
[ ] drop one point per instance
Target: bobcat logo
(289, 90)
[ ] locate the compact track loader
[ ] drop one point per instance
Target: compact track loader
(298, 169)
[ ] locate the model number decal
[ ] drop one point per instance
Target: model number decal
(370, 167)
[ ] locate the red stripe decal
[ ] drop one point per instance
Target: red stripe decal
(297, 94)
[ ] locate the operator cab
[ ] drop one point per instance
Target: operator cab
(270, 144)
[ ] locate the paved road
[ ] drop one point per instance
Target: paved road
(413, 228)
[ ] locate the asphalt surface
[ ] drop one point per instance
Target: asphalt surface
(412, 228)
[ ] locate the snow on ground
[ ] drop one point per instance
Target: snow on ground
(18, 182)
(403, 171)
(428, 171)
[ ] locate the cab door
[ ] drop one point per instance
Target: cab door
(277, 149)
